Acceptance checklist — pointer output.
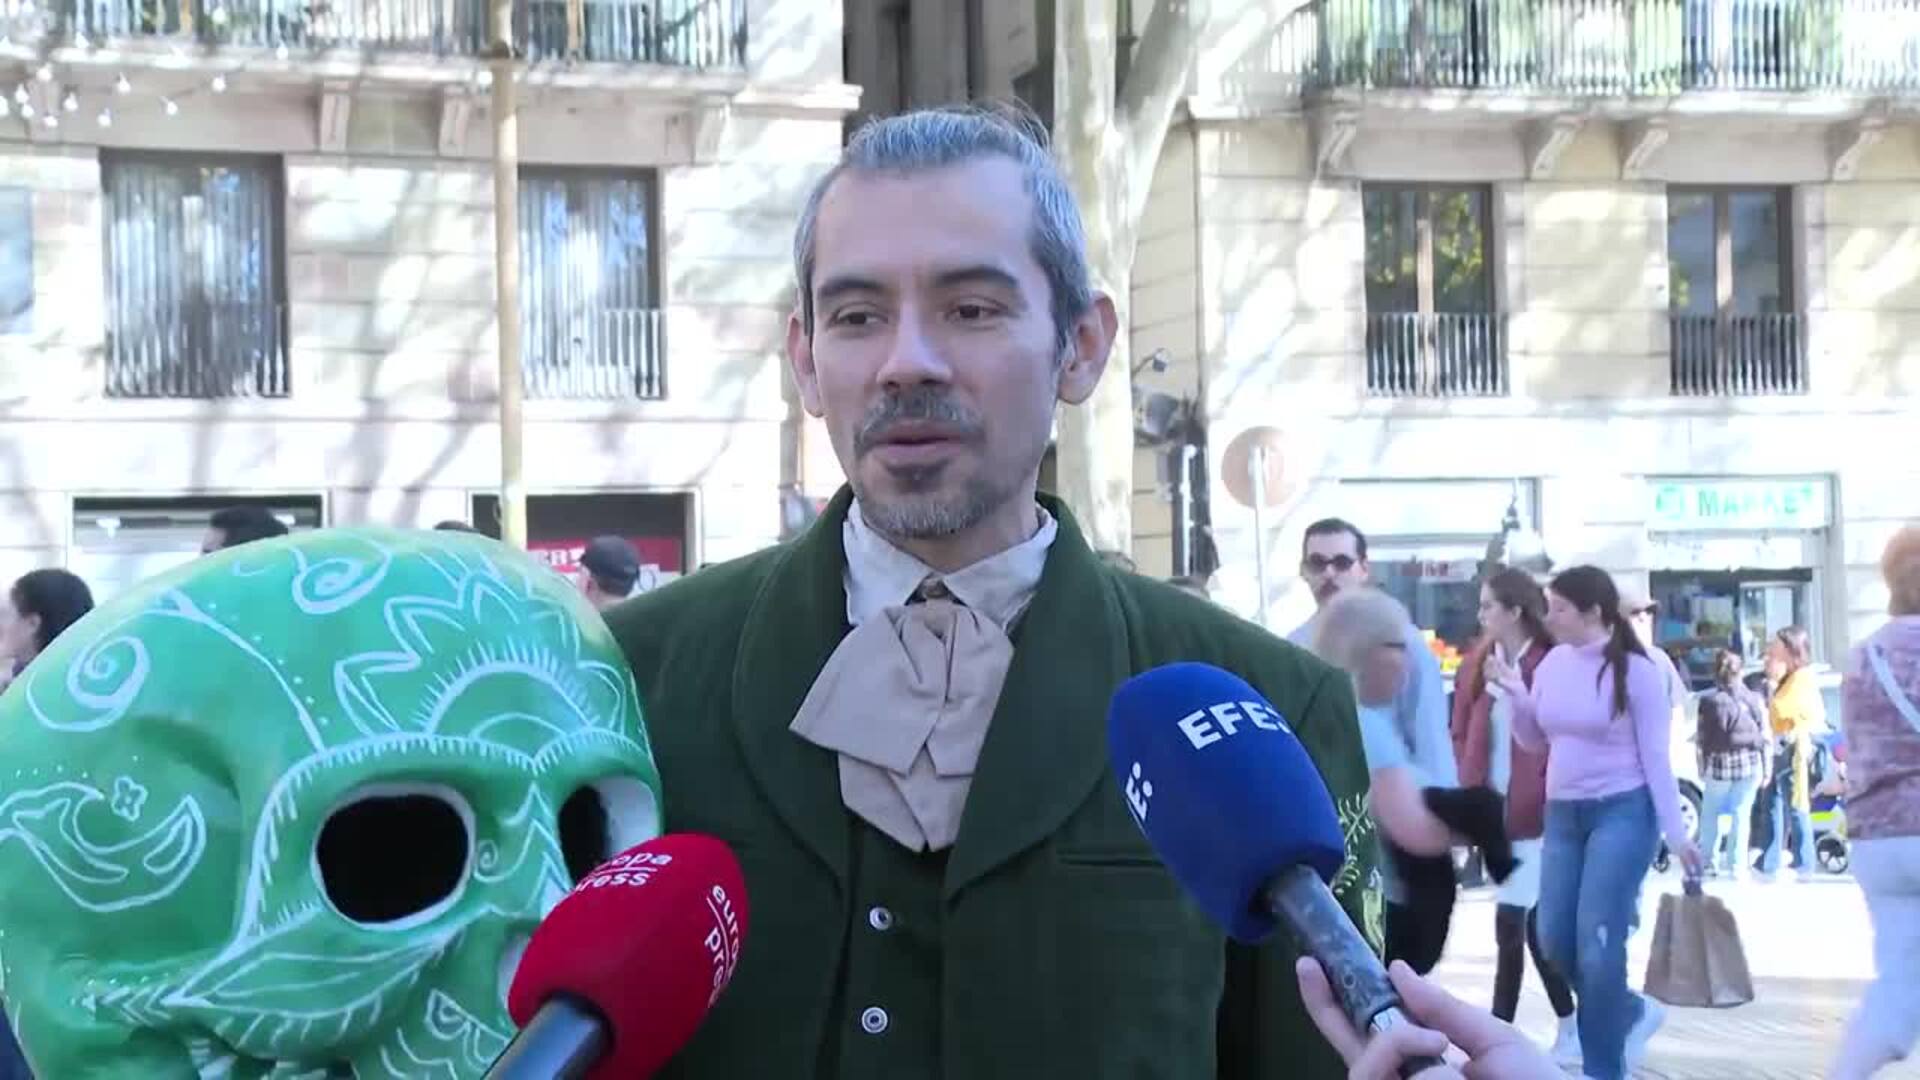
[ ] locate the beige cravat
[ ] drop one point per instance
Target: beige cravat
(905, 701)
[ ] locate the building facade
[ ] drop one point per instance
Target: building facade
(248, 254)
(1643, 271)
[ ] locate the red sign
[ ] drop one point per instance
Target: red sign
(661, 554)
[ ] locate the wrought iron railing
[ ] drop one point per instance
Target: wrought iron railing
(1643, 47)
(682, 33)
(606, 353)
(700, 34)
(1410, 354)
(201, 350)
(1737, 355)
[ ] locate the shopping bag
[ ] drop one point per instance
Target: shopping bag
(1697, 960)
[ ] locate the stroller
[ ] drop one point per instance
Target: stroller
(1827, 774)
(1829, 779)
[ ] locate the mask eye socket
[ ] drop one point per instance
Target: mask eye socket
(394, 855)
(605, 818)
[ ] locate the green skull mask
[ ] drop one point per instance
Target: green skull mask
(293, 809)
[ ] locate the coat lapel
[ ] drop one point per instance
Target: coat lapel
(1047, 747)
(795, 623)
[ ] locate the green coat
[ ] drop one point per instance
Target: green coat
(1049, 941)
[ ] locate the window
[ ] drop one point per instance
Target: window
(196, 301)
(1431, 326)
(590, 320)
(1734, 330)
(16, 260)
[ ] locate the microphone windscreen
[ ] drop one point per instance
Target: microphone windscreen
(1223, 790)
(649, 939)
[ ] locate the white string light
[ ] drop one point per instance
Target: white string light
(21, 103)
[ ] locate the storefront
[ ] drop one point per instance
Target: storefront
(1736, 560)
(559, 526)
(1426, 540)
(118, 543)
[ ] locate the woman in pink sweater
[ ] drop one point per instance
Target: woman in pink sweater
(1600, 705)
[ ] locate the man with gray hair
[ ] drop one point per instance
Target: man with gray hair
(898, 718)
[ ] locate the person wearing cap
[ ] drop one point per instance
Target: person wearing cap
(609, 567)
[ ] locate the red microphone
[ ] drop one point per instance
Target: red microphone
(618, 977)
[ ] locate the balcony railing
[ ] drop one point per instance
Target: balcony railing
(1635, 47)
(683, 33)
(608, 353)
(203, 351)
(1738, 355)
(1410, 354)
(700, 34)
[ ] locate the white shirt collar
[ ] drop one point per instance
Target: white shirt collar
(1514, 657)
(880, 575)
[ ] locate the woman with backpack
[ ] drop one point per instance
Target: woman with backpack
(1881, 718)
(1731, 734)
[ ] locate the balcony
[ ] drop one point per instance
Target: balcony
(1646, 48)
(203, 351)
(1448, 355)
(604, 353)
(694, 34)
(1737, 355)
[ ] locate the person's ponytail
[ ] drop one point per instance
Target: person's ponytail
(1621, 644)
(1589, 588)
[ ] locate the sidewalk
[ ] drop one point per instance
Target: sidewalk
(1809, 946)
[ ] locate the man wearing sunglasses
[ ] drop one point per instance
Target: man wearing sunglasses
(1333, 559)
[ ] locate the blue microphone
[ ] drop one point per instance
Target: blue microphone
(1237, 810)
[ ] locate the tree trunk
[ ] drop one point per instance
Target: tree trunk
(1109, 144)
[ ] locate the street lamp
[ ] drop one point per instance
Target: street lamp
(1517, 544)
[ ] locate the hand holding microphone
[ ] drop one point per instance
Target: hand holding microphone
(1239, 813)
(1494, 1050)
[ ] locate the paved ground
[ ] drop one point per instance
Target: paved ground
(1809, 946)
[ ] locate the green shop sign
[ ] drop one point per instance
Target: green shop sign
(1681, 505)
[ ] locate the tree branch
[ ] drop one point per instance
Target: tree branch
(1155, 82)
(1083, 86)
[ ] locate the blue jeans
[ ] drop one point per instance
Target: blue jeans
(1734, 798)
(1594, 860)
(1784, 819)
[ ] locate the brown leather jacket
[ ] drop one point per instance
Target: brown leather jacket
(1472, 731)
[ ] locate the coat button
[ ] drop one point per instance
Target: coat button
(880, 918)
(873, 1020)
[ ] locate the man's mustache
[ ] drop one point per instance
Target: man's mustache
(927, 405)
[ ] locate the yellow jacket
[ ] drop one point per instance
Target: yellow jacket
(1796, 712)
